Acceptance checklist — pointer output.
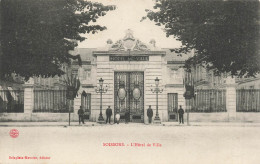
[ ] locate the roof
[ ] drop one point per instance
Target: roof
(85, 53)
(173, 56)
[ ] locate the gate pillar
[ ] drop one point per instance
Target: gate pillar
(28, 96)
(231, 98)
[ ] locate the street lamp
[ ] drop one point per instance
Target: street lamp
(157, 90)
(101, 90)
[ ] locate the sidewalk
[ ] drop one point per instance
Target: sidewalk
(88, 124)
(45, 124)
(231, 124)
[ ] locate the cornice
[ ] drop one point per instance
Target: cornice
(126, 53)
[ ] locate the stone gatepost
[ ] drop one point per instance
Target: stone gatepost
(28, 96)
(231, 98)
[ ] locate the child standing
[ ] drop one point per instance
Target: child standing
(117, 117)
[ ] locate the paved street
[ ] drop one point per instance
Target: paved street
(173, 144)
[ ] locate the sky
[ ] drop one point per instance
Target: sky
(127, 16)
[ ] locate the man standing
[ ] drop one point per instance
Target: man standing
(109, 114)
(181, 112)
(81, 115)
(150, 114)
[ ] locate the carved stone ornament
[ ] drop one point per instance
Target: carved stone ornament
(129, 43)
(140, 46)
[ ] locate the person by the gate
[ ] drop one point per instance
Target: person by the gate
(181, 112)
(150, 114)
(117, 117)
(127, 116)
(109, 114)
(81, 115)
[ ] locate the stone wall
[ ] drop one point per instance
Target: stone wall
(28, 117)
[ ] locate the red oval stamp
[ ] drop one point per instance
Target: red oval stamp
(14, 133)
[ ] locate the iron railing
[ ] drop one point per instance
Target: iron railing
(248, 100)
(208, 100)
(11, 101)
(52, 101)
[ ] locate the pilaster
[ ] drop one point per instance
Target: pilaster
(28, 96)
(231, 98)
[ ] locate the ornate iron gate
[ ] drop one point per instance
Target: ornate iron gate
(129, 95)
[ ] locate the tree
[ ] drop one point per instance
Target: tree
(37, 35)
(73, 84)
(224, 34)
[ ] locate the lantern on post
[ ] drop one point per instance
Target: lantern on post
(100, 89)
(157, 90)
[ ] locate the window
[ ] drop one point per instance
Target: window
(173, 74)
(74, 72)
(87, 75)
(197, 73)
(51, 81)
(12, 101)
(37, 80)
(86, 101)
(172, 102)
(40, 81)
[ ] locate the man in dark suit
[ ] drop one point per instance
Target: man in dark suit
(127, 116)
(109, 114)
(150, 114)
(181, 112)
(81, 115)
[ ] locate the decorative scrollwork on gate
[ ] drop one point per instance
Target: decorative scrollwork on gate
(121, 91)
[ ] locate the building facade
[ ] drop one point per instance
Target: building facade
(128, 69)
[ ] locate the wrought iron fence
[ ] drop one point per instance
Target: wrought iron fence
(11, 101)
(52, 101)
(248, 100)
(208, 100)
